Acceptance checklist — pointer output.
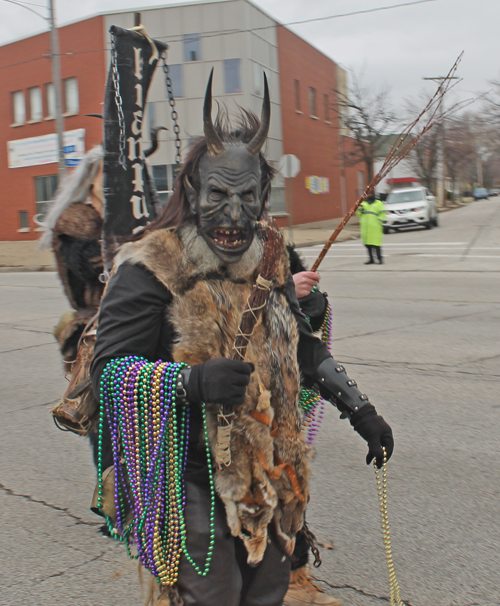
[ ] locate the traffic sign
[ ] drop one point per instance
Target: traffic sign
(289, 166)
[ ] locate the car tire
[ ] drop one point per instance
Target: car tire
(435, 221)
(385, 230)
(427, 224)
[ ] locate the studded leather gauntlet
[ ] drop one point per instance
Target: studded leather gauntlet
(335, 386)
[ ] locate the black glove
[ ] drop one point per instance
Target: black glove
(219, 381)
(375, 431)
(314, 305)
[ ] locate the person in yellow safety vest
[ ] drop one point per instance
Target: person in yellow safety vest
(372, 212)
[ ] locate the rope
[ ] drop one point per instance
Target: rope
(386, 533)
(263, 283)
(223, 445)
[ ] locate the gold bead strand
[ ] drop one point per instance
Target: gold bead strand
(386, 532)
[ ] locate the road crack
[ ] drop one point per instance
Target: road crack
(60, 573)
(406, 326)
(6, 351)
(63, 510)
(430, 370)
(360, 591)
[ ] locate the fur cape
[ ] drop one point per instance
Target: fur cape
(267, 480)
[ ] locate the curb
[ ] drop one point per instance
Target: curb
(26, 268)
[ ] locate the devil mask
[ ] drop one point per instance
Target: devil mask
(230, 199)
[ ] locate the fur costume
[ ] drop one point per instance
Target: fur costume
(268, 477)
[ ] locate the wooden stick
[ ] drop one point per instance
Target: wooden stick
(401, 148)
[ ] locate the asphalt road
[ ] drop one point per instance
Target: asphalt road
(420, 334)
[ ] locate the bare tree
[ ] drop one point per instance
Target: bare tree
(492, 105)
(368, 117)
(425, 158)
(460, 153)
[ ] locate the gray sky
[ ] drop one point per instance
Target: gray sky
(393, 49)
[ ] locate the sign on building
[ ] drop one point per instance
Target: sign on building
(317, 185)
(35, 151)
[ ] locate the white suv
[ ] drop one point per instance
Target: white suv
(409, 207)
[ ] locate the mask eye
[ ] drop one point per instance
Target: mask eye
(216, 195)
(248, 196)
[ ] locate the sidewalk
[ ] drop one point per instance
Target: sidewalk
(26, 256)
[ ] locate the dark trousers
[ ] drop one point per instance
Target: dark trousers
(377, 249)
(230, 581)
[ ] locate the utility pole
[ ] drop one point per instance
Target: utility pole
(56, 76)
(441, 192)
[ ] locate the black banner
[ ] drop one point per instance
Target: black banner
(129, 193)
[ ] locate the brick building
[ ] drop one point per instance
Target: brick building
(235, 37)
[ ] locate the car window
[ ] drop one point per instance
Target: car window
(397, 197)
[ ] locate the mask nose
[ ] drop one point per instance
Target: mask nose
(233, 208)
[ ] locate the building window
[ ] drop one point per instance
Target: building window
(192, 51)
(45, 192)
(72, 105)
(175, 72)
(296, 88)
(312, 101)
(160, 178)
(258, 79)
(24, 224)
(35, 104)
(18, 107)
(327, 108)
(50, 100)
(232, 75)
(151, 115)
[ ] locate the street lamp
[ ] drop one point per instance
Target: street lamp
(56, 76)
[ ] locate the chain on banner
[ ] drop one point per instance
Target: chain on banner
(129, 192)
(174, 114)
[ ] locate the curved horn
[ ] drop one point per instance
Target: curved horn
(258, 141)
(214, 144)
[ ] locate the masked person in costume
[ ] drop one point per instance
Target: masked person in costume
(169, 320)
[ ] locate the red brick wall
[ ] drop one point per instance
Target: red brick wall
(23, 65)
(314, 141)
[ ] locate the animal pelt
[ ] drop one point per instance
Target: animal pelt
(268, 477)
(75, 188)
(296, 262)
(76, 246)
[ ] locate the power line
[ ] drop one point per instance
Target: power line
(303, 21)
(241, 31)
(23, 5)
(97, 50)
(361, 12)
(31, 3)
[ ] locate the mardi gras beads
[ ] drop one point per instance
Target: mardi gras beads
(311, 403)
(150, 435)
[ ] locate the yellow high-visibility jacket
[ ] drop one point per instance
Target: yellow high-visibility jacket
(371, 219)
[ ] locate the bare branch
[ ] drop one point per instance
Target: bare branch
(403, 145)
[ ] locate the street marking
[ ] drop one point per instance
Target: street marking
(408, 255)
(459, 256)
